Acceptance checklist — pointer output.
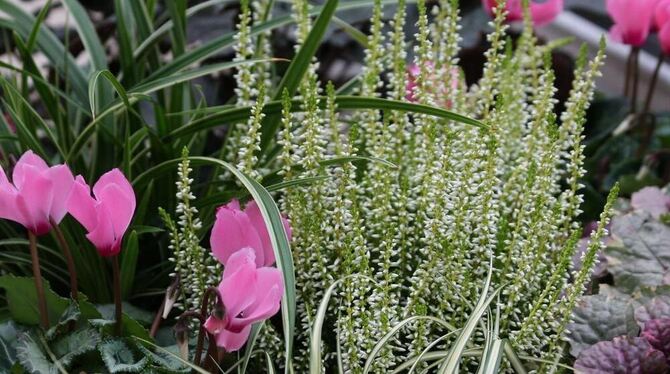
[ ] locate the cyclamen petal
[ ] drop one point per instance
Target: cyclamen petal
(632, 20)
(254, 213)
(664, 38)
(235, 229)
(37, 194)
(662, 14)
(249, 295)
(107, 215)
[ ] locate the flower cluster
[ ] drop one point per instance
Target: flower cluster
(250, 290)
(39, 196)
(634, 20)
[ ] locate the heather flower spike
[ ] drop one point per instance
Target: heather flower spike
(542, 13)
(107, 214)
(249, 295)
(235, 229)
(37, 194)
(632, 20)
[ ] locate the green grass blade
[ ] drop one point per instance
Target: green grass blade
(222, 116)
(248, 350)
(296, 70)
(87, 34)
(152, 38)
(21, 22)
(513, 359)
(315, 358)
(380, 344)
(451, 363)
(143, 91)
(419, 358)
(129, 264)
(32, 38)
(93, 89)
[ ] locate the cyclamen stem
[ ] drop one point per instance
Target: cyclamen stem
(156, 324)
(204, 312)
(39, 287)
(117, 295)
(636, 78)
(72, 270)
(648, 128)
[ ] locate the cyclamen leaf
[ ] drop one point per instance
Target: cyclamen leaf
(657, 333)
(75, 344)
(8, 334)
(118, 357)
(31, 355)
(598, 318)
(622, 355)
(644, 258)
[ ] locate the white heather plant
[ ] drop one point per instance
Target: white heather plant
(446, 233)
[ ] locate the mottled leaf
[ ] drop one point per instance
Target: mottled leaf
(8, 334)
(118, 357)
(598, 318)
(657, 333)
(644, 257)
(165, 360)
(623, 355)
(654, 309)
(651, 200)
(31, 355)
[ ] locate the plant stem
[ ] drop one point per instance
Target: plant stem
(156, 324)
(636, 78)
(629, 65)
(117, 295)
(649, 128)
(652, 86)
(39, 287)
(204, 311)
(72, 270)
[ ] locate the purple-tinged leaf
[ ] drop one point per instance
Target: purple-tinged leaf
(599, 318)
(644, 257)
(657, 333)
(623, 355)
(656, 308)
(651, 200)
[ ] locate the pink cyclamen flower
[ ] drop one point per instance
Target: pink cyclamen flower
(662, 18)
(37, 193)
(235, 229)
(632, 20)
(541, 13)
(249, 294)
(107, 214)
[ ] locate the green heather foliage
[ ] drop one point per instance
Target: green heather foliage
(434, 235)
(415, 238)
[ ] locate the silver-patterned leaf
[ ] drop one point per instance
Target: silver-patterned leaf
(599, 318)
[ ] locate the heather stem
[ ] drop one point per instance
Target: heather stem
(72, 270)
(117, 295)
(39, 287)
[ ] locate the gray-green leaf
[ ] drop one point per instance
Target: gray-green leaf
(599, 318)
(119, 358)
(644, 258)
